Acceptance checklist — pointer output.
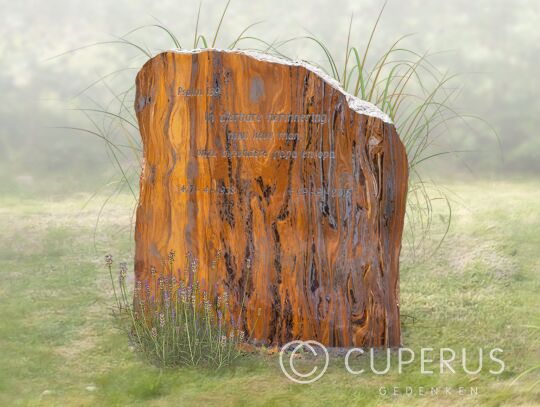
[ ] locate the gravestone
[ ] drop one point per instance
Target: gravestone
(298, 185)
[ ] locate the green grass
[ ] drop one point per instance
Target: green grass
(59, 344)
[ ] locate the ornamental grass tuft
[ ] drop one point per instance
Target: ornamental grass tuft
(176, 324)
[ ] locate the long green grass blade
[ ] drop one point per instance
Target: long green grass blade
(220, 22)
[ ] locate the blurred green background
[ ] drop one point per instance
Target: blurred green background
(480, 289)
(493, 43)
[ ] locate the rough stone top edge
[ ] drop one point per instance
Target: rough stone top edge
(356, 104)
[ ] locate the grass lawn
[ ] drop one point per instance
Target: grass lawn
(59, 345)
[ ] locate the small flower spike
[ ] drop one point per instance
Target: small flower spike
(108, 260)
(123, 271)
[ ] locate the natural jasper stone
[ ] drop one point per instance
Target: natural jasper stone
(300, 186)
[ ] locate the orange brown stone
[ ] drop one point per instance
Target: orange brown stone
(304, 197)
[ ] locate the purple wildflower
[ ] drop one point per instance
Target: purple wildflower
(147, 288)
(123, 271)
(161, 283)
(108, 260)
(167, 300)
(220, 318)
